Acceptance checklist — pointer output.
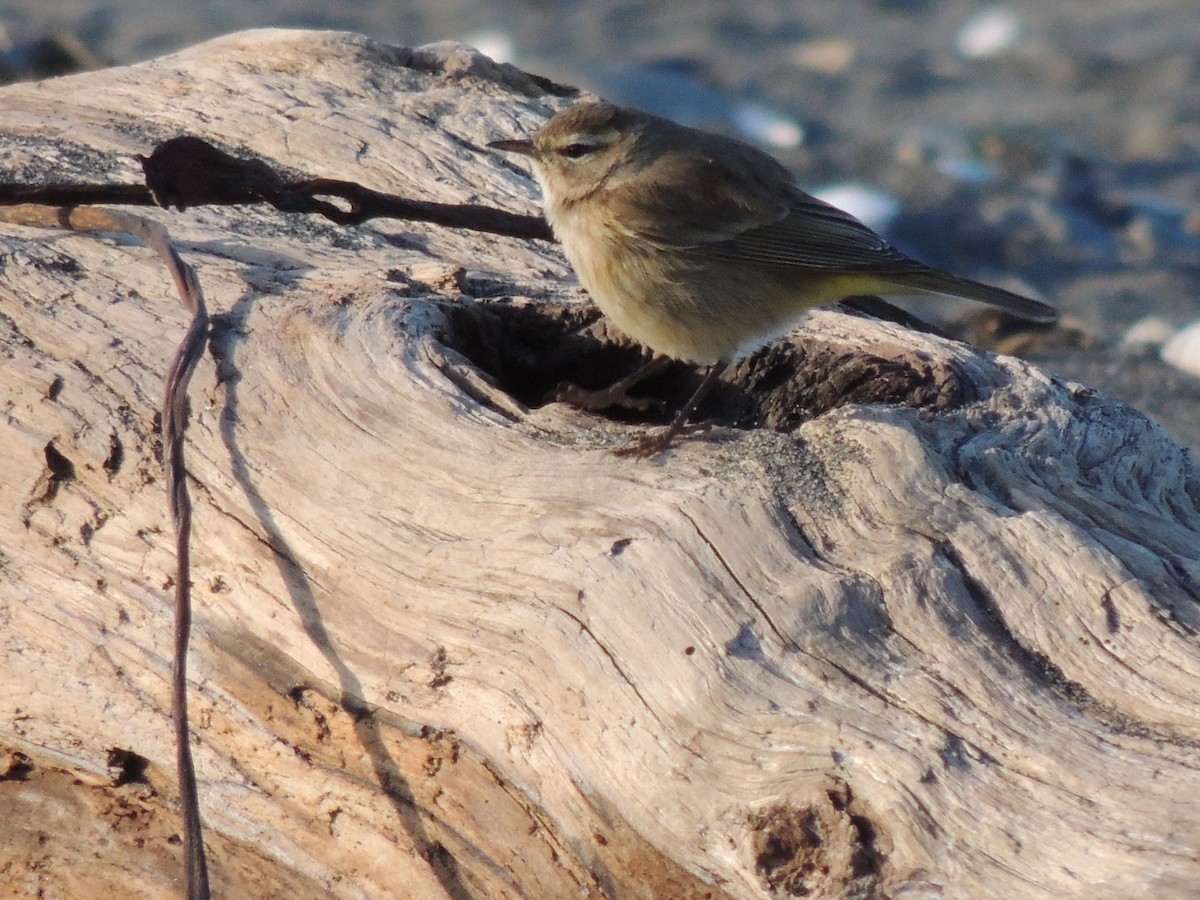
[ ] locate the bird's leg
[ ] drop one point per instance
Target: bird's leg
(653, 444)
(616, 394)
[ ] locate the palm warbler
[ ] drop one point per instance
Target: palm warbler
(702, 248)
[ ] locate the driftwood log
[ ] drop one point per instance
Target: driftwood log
(910, 620)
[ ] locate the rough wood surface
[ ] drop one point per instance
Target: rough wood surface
(448, 645)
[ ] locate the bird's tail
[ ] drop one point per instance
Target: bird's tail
(935, 282)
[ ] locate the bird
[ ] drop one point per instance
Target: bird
(702, 248)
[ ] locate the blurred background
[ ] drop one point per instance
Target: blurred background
(1049, 146)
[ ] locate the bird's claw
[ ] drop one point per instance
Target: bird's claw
(653, 444)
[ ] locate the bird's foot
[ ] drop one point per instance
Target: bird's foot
(655, 443)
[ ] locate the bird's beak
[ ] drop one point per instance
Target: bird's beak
(525, 148)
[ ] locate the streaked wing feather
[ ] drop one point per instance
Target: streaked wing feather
(814, 235)
(818, 237)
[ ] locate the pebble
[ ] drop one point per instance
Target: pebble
(831, 56)
(1183, 350)
(1150, 331)
(768, 126)
(988, 33)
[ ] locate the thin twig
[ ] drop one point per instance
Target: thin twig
(174, 424)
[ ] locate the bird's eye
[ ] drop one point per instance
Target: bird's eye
(576, 151)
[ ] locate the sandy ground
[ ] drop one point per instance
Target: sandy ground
(1051, 147)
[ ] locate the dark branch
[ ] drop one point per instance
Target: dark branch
(187, 171)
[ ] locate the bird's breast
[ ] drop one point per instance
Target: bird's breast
(683, 305)
(628, 280)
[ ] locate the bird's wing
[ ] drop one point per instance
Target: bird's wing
(811, 234)
(816, 237)
(751, 213)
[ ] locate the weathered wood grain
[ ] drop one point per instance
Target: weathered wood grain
(448, 645)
